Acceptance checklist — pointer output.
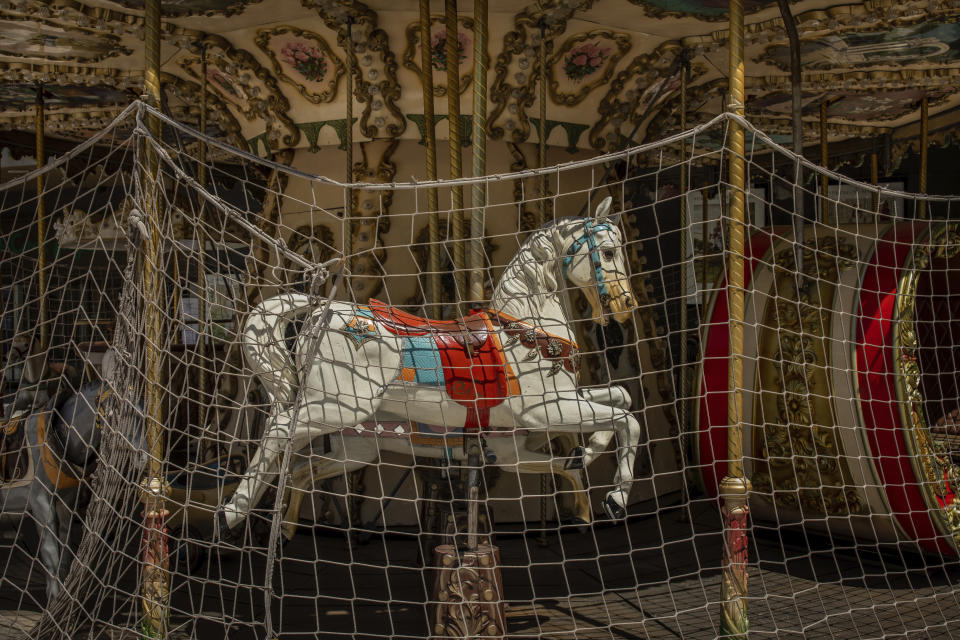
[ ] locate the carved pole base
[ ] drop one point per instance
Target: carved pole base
(736, 554)
(155, 577)
(467, 596)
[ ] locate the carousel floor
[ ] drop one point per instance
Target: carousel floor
(800, 586)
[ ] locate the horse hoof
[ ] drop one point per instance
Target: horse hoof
(222, 533)
(575, 459)
(613, 510)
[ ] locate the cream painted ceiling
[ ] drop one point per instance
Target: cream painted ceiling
(276, 68)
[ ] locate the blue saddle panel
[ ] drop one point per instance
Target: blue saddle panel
(421, 355)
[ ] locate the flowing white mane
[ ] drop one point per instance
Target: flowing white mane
(532, 278)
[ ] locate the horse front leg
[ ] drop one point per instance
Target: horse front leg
(263, 463)
(613, 396)
(47, 522)
(569, 412)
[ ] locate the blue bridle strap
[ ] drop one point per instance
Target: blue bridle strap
(588, 238)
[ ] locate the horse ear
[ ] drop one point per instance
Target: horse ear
(603, 210)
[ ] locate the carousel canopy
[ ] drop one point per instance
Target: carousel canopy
(276, 70)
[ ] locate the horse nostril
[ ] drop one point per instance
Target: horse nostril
(605, 299)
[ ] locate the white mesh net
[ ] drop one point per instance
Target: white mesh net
(203, 325)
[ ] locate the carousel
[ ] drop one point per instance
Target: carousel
(318, 319)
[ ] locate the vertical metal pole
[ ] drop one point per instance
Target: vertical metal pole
(542, 142)
(430, 142)
(796, 109)
(735, 488)
(456, 147)
(201, 237)
(924, 144)
(875, 180)
(478, 215)
(824, 160)
(155, 577)
(684, 231)
(348, 141)
(41, 227)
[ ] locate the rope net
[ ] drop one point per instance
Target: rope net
(347, 445)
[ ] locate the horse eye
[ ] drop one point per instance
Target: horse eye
(608, 254)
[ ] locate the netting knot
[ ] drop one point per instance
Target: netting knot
(316, 276)
(136, 226)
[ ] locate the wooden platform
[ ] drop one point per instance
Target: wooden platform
(658, 577)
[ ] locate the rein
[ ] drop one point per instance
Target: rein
(589, 238)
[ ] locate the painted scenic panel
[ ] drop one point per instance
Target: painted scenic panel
(23, 96)
(709, 9)
(923, 43)
(51, 42)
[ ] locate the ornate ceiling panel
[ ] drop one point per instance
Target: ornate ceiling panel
(375, 66)
(438, 52)
(44, 40)
(179, 8)
(512, 91)
(702, 9)
(303, 59)
(246, 87)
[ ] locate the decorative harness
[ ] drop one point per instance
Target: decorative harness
(590, 230)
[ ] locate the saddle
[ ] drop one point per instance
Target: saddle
(470, 331)
(474, 368)
(13, 455)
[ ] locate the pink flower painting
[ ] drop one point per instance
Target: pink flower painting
(438, 49)
(306, 59)
(584, 60)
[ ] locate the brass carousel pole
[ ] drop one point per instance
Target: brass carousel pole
(684, 231)
(542, 142)
(456, 170)
(430, 142)
(348, 141)
(155, 577)
(41, 227)
(875, 180)
(735, 487)
(824, 160)
(477, 258)
(541, 217)
(924, 143)
(202, 353)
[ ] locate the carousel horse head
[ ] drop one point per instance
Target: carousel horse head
(593, 260)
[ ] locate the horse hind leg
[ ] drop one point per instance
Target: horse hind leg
(311, 420)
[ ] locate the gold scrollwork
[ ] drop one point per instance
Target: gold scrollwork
(411, 55)
(798, 455)
(936, 472)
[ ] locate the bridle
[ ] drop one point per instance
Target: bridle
(588, 237)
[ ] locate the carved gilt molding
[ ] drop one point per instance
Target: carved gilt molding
(411, 55)
(517, 68)
(375, 66)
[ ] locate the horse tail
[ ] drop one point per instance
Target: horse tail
(265, 345)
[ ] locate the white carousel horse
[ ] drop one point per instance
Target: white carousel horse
(512, 367)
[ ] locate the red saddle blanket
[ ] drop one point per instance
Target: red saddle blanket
(475, 371)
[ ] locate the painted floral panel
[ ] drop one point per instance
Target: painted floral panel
(303, 59)
(583, 62)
